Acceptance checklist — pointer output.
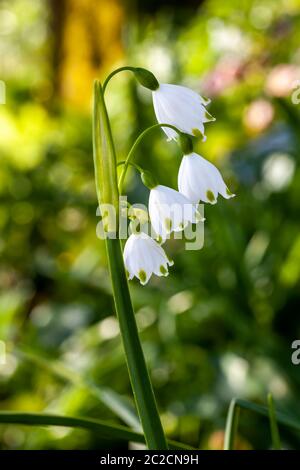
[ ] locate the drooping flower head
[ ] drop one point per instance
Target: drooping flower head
(170, 211)
(181, 107)
(200, 180)
(143, 257)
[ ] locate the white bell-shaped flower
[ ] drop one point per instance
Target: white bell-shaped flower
(181, 107)
(143, 257)
(170, 211)
(200, 180)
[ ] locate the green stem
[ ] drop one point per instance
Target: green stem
(134, 165)
(120, 69)
(134, 147)
(231, 425)
(273, 424)
(106, 182)
(139, 376)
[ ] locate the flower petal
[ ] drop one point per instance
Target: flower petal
(170, 210)
(200, 180)
(182, 108)
(143, 257)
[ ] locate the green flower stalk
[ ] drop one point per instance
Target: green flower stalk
(169, 211)
(107, 192)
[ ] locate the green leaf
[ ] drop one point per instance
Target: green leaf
(107, 431)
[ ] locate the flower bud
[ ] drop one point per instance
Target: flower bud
(146, 78)
(104, 159)
(148, 179)
(186, 143)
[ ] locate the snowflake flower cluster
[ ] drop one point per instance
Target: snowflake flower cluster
(198, 179)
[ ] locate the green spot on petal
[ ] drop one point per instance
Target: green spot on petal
(210, 196)
(127, 274)
(205, 99)
(163, 270)
(228, 192)
(208, 116)
(142, 276)
(171, 262)
(197, 133)
(168, 224)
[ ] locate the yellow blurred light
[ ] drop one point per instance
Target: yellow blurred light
(71, 219)
(145, 317)
(181, 302)
(290, 271)
(91, 44)
(8, 21)
(23, 136)
(261, 16)
(109, 328)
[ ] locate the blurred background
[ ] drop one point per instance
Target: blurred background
(221, 325)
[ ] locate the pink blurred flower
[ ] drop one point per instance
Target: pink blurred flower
(258, 115)
(281, 79)
(225, 74)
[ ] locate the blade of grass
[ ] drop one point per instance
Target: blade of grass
(276, 444)
(231, 426)
(232, 418)
(263, 410)
(107, 431)
(119, 405)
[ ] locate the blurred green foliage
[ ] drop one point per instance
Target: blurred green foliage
(221, 325)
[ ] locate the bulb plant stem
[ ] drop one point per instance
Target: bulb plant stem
(107, 191)
(128, 160)
(134, 165)
(143, 76)
(112, 74)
